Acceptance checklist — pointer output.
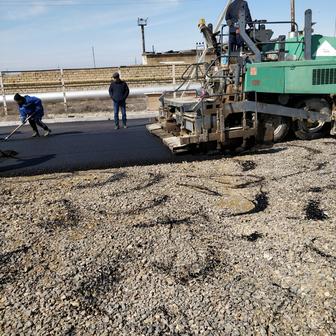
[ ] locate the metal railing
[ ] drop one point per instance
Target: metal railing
(65, 85)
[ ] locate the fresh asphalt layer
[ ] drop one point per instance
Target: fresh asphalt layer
(82, 146)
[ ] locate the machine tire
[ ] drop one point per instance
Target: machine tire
(305, 130)
(281, 128)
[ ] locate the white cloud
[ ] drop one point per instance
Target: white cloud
(24, 12)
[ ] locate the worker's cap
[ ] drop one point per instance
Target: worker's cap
(116, 75)
(18, 97)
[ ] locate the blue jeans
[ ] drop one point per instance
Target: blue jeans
(117, 106)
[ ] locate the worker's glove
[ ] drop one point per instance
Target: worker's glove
(229, 23)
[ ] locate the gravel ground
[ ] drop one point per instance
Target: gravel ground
(231, 246)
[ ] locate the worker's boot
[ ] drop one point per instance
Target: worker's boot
(47, 132)
(35, 135)
(125, 126)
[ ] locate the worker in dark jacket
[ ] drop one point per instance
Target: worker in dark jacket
(232, 17)
(32, 108)
(119, 92)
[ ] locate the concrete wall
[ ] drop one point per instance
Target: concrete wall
(82, 79)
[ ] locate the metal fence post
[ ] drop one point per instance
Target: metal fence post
(3, 93)
(174, 77)
(64, 92)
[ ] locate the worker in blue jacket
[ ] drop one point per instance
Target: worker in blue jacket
(32, 107)
(232, 17)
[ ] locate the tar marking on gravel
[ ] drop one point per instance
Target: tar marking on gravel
(166, 222)
(253, 237)
(261, 203)
(248, 165)
(321, 165)
(255, 181)
(319, 251)
(315, 189)
(314, 212)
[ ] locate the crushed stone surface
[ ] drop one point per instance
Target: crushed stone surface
(231, 246)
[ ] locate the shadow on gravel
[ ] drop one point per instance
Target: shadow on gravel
(153, 180)
(160, 200)
(96, 286)
(71, 331)
(319, 166)
(99, 280)
(256, 181)
(67, 218)
(201, 189)
(309, 149)
(262, 151)
(9, 268)
(114, 178)
(199, 271)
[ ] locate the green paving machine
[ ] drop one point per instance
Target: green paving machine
(256, 93)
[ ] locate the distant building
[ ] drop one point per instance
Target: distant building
(181, 57)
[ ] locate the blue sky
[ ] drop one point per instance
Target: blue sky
(40, 34)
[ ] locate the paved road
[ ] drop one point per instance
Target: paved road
(81, 146)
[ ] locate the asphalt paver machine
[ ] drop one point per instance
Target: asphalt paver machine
(255, 94)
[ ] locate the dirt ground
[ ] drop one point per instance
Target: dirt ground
(83, 107)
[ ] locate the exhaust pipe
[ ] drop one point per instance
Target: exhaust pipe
(293, 33)
(293, 28)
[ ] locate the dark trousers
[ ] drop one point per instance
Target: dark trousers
(235, 41)
(34, 122)
(117, 106)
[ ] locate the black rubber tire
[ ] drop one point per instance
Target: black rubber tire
(281, 128)
(302, 130)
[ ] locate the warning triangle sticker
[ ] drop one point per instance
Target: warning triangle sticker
(325, 49)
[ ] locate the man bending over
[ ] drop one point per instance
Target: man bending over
(32, 107)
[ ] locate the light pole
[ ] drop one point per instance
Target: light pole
(143, 23)
(94, 57)
(200, 47)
